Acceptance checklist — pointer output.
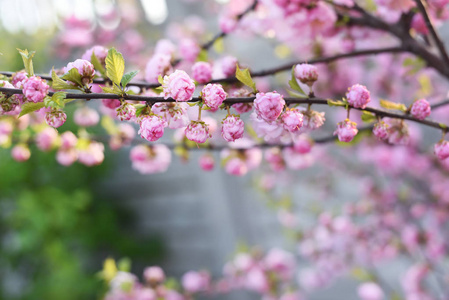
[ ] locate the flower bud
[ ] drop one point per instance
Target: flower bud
(346, 131)
(420, 109)
(197, 131)
(213, 96)
(152, 128)
(233, 128)
(358, 96)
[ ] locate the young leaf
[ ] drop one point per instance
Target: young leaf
(392, 105)
(74, 76)
(97, 64)
(368, 117)
(335, 103)
(140, 109)
(115, 66)
(109, 125)
(27, 58)
(56, 101)
(245, 77)
(202, 56)
(294, 84)
(59, 84)
(112, 90)
(30, 107)
(128, 77)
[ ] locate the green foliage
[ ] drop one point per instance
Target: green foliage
(30, 107)
(59, 84)
(244, 77)
(97, 65)
(368, 117)
(61, 229)
(74, 76)
(27, 58)
(128, 77)
(115, 66)
(392, 105)
(293, 83)
(56, 101)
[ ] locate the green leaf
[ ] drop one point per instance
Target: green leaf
(115, 66)
(108, 124)
(202, 56)
(368, 117)
(74, 76)
(112, 90)
(30, 107)
(59, 84)
(361, 274)
(27, 58)
(293, 83)
(245, 77)
(124, 264)
(160, 79)
(335, 103)
(392, 105)
(140, 108)
(128, 77)
(415, 65)
(56, 101)
(97, 64)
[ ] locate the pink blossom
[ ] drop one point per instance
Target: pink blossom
(55, 118)
(306, 73)
(321, 18)
(178, 86)
(68, 140)
(236, 166)
(100, 52)
(442, 150)
(213, 96)
(35, 89)
(152, 128)
(420, 109)
(46, 139)
(275, 159)
(358, 96)
(126, 112)
(11, 103)
(202, 72)
(92, 154)
(124, 136)
(20, 153)
(295, 160)
(256, 280)
(228, 65)
(207, 162)
(268, 106)
(194, 282)
(381, 130)
(197, 131)
(419, 24)
(281, 262)
(111, 103)
(189, 49)
(233, 128)
(158, 65)
(174, 113)
(242, 108)
(165, 47)
(86, 117)
(370, 291)
(303, 144)
(227, 23)
(150, 159)
(66, 157)
(346, 130)
(154, 275)
(313, 119)
(19, 78)
(292, 120)
(84, 68)
(397, 5)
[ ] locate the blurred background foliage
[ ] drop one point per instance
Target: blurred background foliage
(56, 228)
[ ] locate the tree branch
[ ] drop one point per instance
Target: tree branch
(235, 100)
(435, 36)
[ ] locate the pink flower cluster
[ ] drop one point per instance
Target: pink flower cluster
(178, 86)
(150, 159)
(35, 89)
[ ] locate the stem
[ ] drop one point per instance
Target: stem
(234, 100)
(199, 112)
(435, 36)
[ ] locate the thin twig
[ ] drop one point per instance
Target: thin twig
(235, 100)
